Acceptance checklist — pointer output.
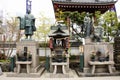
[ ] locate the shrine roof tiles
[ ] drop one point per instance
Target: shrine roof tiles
(84, 1)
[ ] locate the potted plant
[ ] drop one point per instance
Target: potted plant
(92, 57)
(107, 56)
(64, 56)
(17, 56)
(29, 57)
(100, 57)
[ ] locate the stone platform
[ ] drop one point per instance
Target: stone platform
(32, 75)
(32, 48)
(0, 71)
(3, 77)
(81, 74)
(70, 74)
(104, 47)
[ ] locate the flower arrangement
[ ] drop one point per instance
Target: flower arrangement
(107, 56)
(17, 55)
(29, 56)
(92, 56)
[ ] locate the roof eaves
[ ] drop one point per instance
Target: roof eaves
(85, 3)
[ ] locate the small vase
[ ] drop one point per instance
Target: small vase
(92, 59)
(101, 59)
(107, 58)
(29, 58)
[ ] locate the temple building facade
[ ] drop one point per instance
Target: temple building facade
(90, 6)
(83, 5)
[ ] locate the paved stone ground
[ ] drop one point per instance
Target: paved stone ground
(80, 74)
(70, 74)
(3, 77)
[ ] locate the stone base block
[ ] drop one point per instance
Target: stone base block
(87, 40)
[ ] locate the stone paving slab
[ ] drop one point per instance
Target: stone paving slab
(50, 76)
(32, 75)
(3, 77)
(38, 74)
(70, 74)
(80, 74)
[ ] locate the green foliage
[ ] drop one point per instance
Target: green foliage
(119, 26)
(75, 16)
(5, 61)
(72, 57)
(43, 28)
(1, 22)
(2, 56)
(43, 44)
(97, 17)
(59, 15)
(42, 58)
(108, 20)
(5, 66)
(110, 23)
(12, 29)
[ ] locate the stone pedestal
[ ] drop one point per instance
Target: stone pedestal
(68, 61)
(0, 70)
(117, 52)
(103, 47)
(33, 48)
(87, 40)
(54, 65)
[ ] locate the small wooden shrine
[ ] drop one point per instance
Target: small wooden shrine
(59, 44)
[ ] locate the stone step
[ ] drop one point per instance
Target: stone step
(38, 74)
(81, 74)
(41, 71)
(42, 64)
(69, 74)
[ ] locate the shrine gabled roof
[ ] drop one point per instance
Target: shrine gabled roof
(85, 2)
(59, 31)
(53, 33)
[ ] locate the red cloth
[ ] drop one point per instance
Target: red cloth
(67, 43)
(51, 43)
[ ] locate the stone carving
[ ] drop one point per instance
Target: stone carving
(97, 35)
(87, 25)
